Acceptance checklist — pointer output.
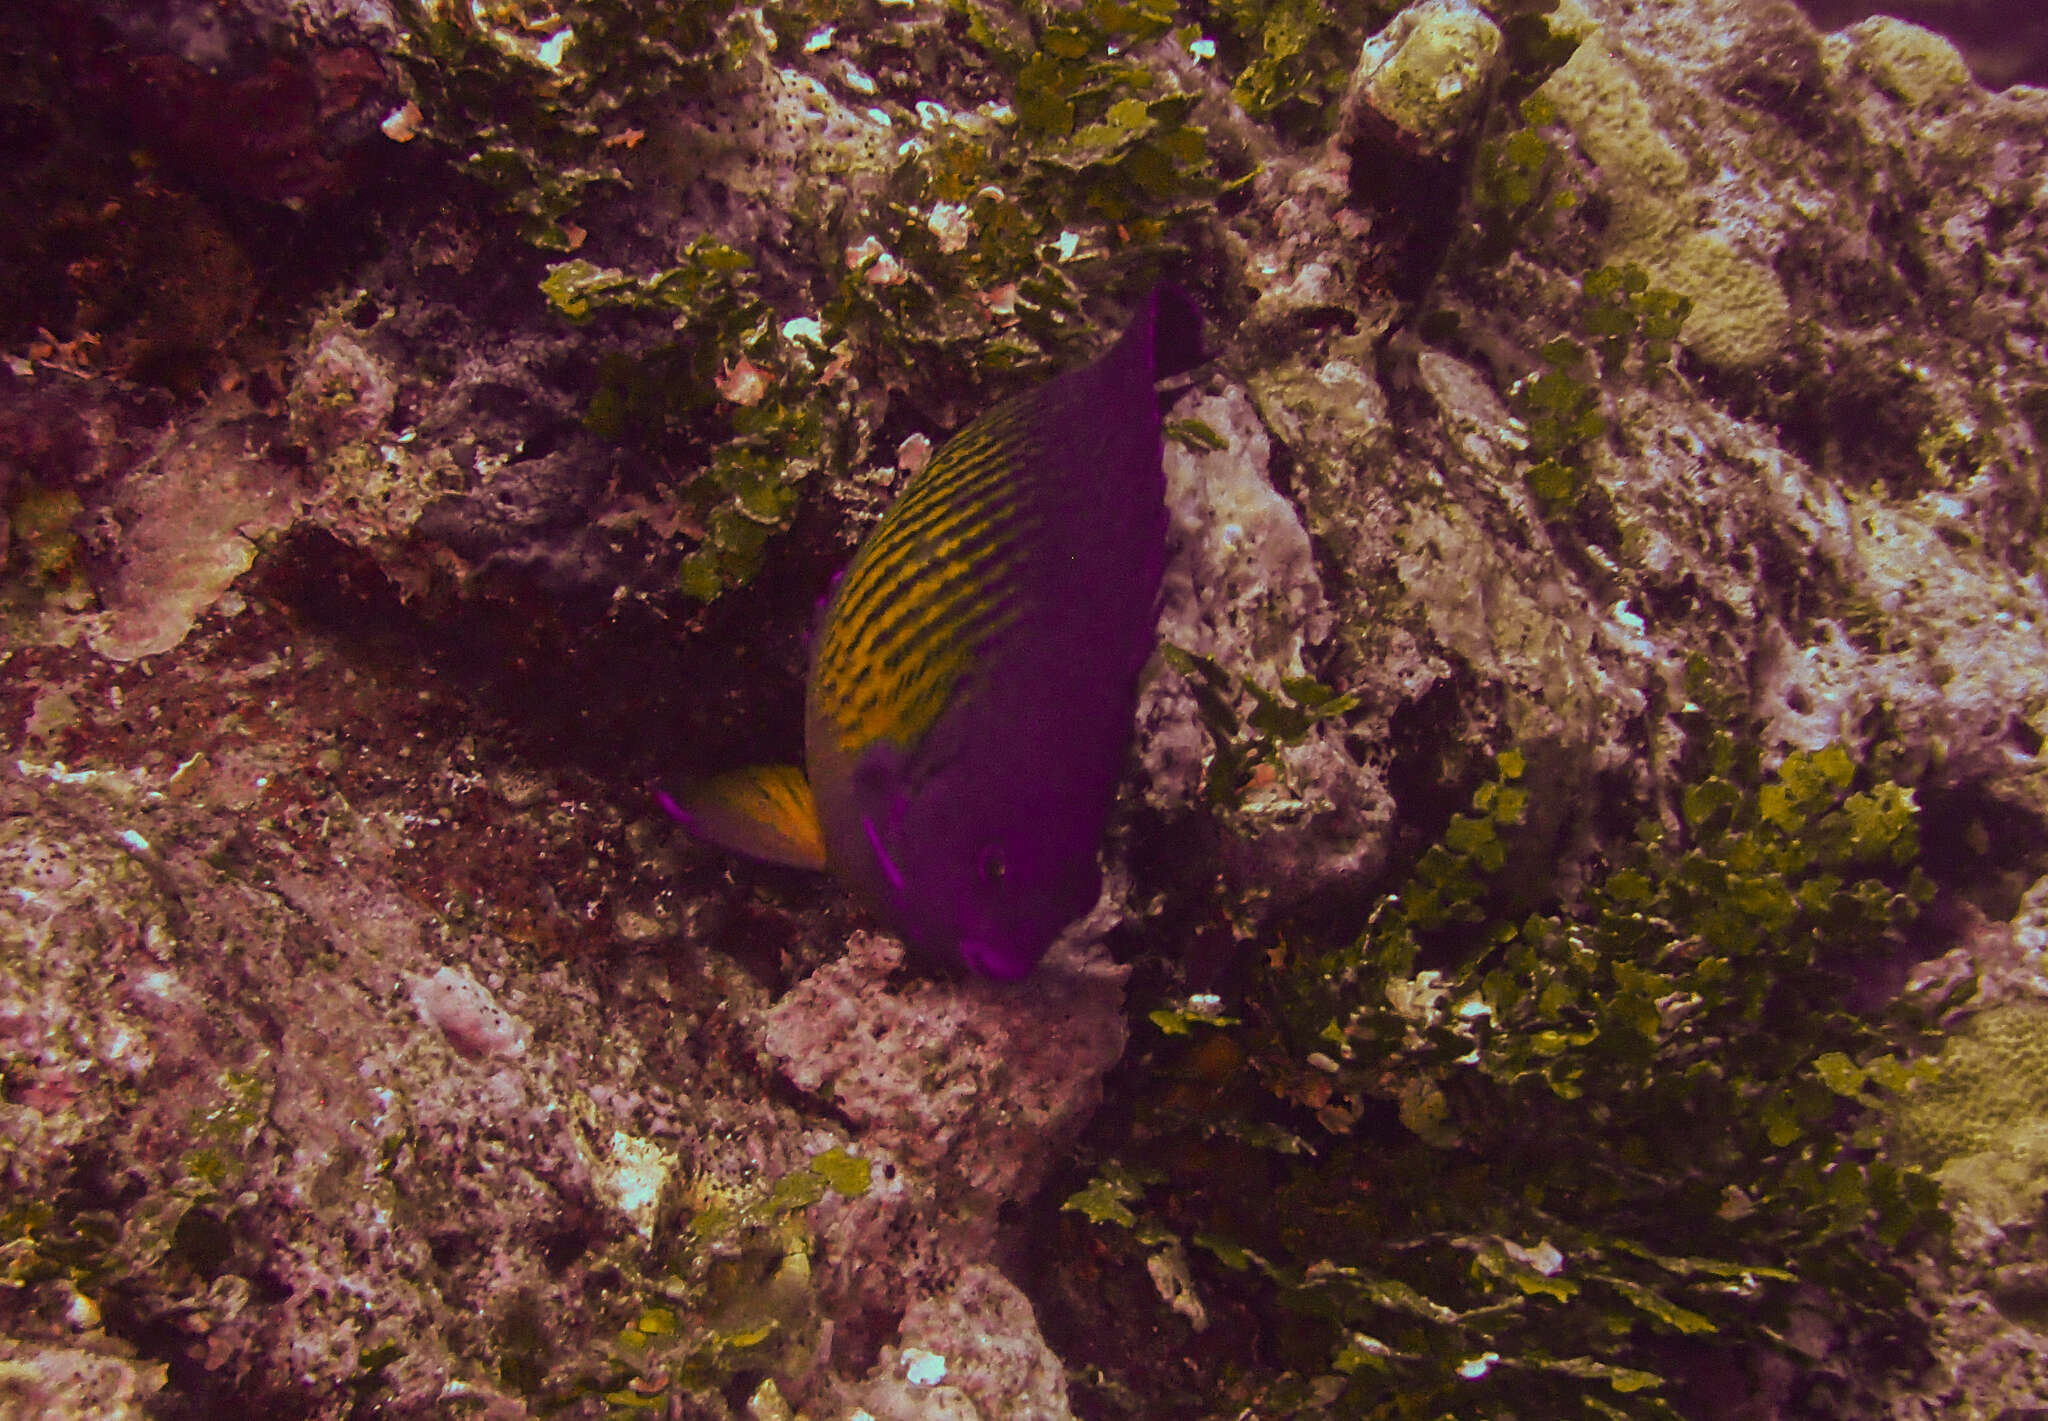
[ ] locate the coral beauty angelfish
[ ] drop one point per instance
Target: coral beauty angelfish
(973, 682)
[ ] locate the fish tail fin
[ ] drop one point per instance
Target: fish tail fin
(764, 811)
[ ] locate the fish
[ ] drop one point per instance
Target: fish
(974, 678)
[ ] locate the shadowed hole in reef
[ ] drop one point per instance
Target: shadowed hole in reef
(191, 1392)
(1176, 860)
(203, 1242)
(2024, 737)
(2021, 1292)
(1126, 1355)
(448, 1250)
(90, 1232)
(564, 1247)
(133, 1309)
(636, 697)
(1979, 848)
(524, 1351)
(1415, 198)
(616, 687)
(1432, 768)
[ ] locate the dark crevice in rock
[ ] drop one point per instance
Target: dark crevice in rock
(1981, 846)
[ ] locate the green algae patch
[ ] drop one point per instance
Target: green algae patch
(537, 103)
(849, 1175)
(1511, 1157)
(1277, 719)
(1292, 58)
(731, 376)
(42, 564)
(1062, 154)
(729, 1294)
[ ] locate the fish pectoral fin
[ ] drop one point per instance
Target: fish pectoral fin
(764, 811)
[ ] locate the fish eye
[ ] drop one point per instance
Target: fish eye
(992, 865)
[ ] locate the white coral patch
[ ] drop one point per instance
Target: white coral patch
(743, 382)
(466, 1012)
(922, 1368)
(951, 224)
(634, 1175)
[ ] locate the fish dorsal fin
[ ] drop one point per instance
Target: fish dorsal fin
(764, 811)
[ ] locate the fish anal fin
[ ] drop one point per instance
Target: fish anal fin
(763, 811)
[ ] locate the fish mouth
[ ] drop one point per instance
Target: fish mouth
(990, 961)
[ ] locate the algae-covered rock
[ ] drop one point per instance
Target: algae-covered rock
(1242, 594)
(968, 1353)
(914, 1067)
(37, 1382)
(1914, 65)
(1427, 73)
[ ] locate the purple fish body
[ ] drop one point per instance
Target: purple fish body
(975, 677)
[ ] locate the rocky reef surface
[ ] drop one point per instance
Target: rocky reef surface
(427, 430)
